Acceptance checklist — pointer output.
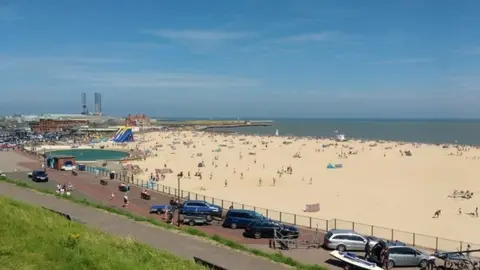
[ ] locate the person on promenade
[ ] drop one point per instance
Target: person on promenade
(367, 249)
(112, 196)
(384, 258)
(125, 201)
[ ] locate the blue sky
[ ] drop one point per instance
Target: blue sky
(304, 58)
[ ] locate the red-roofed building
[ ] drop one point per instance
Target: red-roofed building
(137, 120)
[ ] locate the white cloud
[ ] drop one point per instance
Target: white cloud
(404, 61)
(95, 72)
(322, 36)
(155, 80)
(475, 50)
(8, 14)
(198, 34)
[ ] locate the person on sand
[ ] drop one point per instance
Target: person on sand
(211, 176)
(459, 211)
(437, 213)
(226, 183)
(234, 171)
(241, 175)
(311, 180)
(274, 181)
(260, 182)
(476, 211)
(226, 164)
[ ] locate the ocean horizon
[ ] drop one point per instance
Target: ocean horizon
(431, 131)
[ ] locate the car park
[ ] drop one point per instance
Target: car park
(264, 228)
(238, 218)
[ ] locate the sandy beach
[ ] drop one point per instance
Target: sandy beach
(377, 184)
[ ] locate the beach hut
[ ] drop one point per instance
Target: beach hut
(58, 162)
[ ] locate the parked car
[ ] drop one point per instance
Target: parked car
(39, 176)
(160, 208)
(342, 240)
(400, 255)
(264, 228)
(195, 208)
(202, 208)
(237, 218)
(68, 167)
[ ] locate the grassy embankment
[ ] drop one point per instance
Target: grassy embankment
(36, 238)
(276, 257)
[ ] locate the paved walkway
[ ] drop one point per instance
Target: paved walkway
(181, 245)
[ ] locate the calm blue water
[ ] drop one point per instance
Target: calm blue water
(425, 131)
(90, 154)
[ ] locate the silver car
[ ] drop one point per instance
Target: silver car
(342, 240)
(406, 256)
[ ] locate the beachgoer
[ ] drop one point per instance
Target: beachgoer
(226, 183)
(437, 213)
(259, 181)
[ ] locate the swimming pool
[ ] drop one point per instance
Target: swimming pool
(90, 154)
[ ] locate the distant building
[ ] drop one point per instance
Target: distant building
(137, 120)
(51, 125)
(98, 104)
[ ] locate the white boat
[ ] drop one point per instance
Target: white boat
(353, 261)
(276, 132)
(341, 137)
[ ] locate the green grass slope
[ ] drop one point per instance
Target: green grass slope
(35, 238)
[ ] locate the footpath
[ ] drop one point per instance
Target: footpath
(181, 245)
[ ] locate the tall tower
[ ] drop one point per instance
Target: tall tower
(84, 104)
(98, 103)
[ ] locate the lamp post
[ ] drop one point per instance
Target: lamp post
(178, 198)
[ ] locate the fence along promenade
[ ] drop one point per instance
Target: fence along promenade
(409, 238)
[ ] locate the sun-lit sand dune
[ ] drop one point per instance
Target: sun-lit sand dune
(377, 184)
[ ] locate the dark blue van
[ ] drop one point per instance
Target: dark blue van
(237, 218)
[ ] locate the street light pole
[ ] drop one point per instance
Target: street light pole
(178, 199)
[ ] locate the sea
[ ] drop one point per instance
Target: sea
(466, 132)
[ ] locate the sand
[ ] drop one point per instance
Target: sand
(377, 185)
